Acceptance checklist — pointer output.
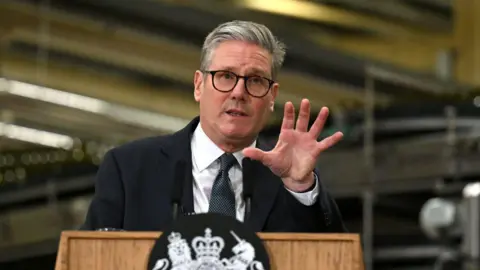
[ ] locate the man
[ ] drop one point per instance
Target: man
(236, 89)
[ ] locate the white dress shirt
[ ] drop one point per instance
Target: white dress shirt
(206, 167)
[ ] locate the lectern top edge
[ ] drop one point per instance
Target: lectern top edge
(264, 236)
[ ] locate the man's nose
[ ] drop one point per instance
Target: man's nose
(239, 90)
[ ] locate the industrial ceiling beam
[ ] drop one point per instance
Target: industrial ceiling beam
(408, 54)
(399, 11)
(13, 145)
(116, 89)
(415, 52)
(322, 13)
(387, 33)
(70, 122)
(438, 3)
(154, 55)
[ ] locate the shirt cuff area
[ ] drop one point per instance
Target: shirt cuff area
(307, 198)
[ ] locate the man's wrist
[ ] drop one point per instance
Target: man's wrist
(312, 186)
(306, 185)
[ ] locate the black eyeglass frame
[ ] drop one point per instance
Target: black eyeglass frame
(245, 79)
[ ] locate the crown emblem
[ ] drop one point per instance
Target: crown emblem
(208, 249)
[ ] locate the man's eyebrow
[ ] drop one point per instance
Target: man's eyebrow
(254, 71)
(259, 72)
(227, 68)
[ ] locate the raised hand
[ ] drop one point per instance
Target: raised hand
(297, 150)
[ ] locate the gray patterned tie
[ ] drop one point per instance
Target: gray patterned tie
(222, 200)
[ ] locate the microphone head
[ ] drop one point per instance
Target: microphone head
(179, 179)
(107, 229)
(248, 181)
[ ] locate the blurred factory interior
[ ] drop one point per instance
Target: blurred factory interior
(399, 76)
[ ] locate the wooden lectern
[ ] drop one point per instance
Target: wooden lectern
(79, 250)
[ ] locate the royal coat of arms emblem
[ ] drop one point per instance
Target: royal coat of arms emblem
(207, 251)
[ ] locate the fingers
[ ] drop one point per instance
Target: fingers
(288, 116)
(303, 116)
(317, 126)
(329, 142)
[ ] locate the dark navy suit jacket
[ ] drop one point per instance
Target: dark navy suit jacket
(135, 181)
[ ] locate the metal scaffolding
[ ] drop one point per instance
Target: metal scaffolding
(369, 159)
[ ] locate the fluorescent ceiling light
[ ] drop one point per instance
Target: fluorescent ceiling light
(53, 96)
(36, 136)
(119, 113)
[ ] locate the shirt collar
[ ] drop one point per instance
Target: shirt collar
(205, 151)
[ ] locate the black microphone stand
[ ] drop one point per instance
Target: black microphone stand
(177, 195)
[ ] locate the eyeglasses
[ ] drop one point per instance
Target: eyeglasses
(225, 81)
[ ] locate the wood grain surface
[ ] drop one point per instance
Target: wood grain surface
(79, 250)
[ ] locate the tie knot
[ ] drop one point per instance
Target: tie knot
(227, 161)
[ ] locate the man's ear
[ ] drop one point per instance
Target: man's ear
(274, 92)
(198, 85)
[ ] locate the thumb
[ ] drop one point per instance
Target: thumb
(256, 154)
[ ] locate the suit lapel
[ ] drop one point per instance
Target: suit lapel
(177, 148)
(265, 189)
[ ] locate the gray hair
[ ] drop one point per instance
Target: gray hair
(244, 31)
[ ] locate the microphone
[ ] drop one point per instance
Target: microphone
(247, 165)
(177, 193)
(108, 229)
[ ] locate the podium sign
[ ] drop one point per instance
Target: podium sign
(207, 242)
(80, 250)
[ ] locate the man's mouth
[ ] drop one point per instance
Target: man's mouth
(236, 113)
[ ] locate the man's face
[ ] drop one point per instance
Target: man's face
(250, 113)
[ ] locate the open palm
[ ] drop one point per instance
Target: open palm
(295, 155)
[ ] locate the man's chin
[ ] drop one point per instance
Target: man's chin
(236, 132)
